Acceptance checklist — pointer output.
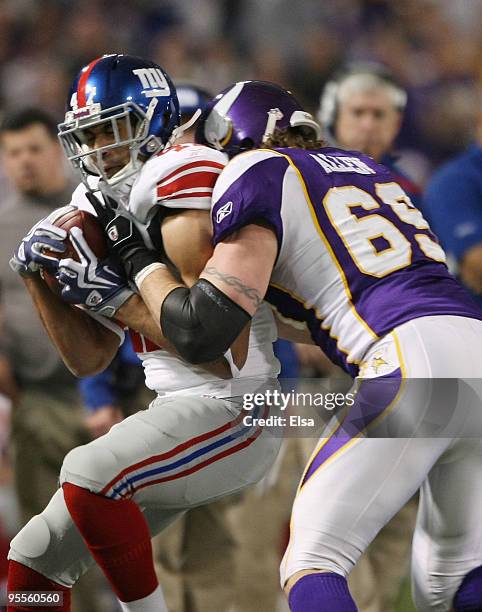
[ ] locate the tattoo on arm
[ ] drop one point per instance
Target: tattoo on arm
(237, 285)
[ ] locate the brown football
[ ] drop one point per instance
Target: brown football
(68, 218)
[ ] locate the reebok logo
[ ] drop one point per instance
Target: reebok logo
(224, 211)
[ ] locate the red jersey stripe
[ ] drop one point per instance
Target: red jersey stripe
(190, 196)
(136, 341)
(198, 164)
(151, 346)
(189, 181)
(141, 344)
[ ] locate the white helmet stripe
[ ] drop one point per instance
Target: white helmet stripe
(222, 107)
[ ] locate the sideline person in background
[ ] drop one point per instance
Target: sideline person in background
(453, 205)
(362, 110)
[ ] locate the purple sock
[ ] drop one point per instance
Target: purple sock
(469, 596)
(325, 592)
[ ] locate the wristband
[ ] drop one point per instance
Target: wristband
(143, 274)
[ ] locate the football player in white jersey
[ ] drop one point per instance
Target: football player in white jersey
(334, 243)
(191, 446)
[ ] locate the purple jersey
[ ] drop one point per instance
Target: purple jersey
(356, 258)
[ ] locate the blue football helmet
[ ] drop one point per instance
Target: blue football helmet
(133, 100)
(191, 98)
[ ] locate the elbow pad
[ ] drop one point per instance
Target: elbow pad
(201, 322)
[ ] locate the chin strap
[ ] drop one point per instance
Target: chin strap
(303, 119)
(274, 115)
(179, 131)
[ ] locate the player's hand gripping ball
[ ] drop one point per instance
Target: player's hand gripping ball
(65, 219)
(99, 285)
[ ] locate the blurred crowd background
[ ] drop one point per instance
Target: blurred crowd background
(433, 48)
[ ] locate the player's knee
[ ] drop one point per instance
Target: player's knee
(32, 541)
(90, 466)
(469, 594)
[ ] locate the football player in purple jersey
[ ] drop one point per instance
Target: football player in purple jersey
(335, 244)
(362, 109)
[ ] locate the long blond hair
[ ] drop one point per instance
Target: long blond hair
(295, 137)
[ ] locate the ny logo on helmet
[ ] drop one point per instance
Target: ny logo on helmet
(153, 79)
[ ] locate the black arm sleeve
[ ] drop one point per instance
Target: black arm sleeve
(201, 322)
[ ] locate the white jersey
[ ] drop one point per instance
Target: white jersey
(356, 258)
(183, 177)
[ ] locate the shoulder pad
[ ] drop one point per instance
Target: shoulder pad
(249, 189)
(241, 164)
(180, 177)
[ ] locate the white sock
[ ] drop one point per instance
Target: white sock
(154, 602)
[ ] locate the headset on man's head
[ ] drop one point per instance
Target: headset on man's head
(329, 99)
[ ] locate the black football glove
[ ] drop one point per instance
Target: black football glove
(124, 239)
